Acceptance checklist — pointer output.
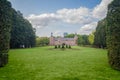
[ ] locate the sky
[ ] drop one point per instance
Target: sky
(59, 16)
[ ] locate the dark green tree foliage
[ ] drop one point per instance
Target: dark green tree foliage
(42, 41)
(113, 34)
(63, 45)
(82, 39)
(59, 46)
(70, 36)
(85, 40)
(22, 33)
(55, 46)
(69, 46)
(100, 34)
(5, 25)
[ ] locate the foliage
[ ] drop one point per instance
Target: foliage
(42, 63)
(82, 39)
(66, 46)
(5, 26)
(55, 46)
(63, 45)
(59, 46)
(69, 46)
(100, 34)
(22, 33)
(91, 38)
(42, 41)
(70, 36)
(113, 34)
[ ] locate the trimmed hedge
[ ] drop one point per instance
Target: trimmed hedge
(113, 34)
(5, 25)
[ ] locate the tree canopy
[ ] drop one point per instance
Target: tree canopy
(82, 39)
(91, 38)
(100, 34)
(22, 33)
(42, 41)
(5, 26)
(113, 34)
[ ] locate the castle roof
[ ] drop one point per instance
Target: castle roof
(64, 39)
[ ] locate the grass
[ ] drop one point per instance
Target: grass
(46, 63)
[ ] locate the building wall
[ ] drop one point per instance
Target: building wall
(52, 41)
(59, 42)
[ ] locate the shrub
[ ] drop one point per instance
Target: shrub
(63, 45)
(5, 27)
(69, 46)
(113, 34)
(59, 46)
(66, 46)
(55, 46)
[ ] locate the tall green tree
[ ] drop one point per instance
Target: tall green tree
(42, 41)
(113, 34)
(22, 33)
(100, 34)
(85, 40)
(5, 25)
(91, 38)
(82, 39)
(70, 36)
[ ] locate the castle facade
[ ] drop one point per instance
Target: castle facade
(61, 40)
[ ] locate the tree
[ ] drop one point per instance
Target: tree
(5, 25)
(113, 34)
(85, 40)
(100, 34)
(91, 38)
(42, 41)
(82, 39)
(22, 33)
(70, 36)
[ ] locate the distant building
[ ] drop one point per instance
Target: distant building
(65, 34)
(61, 40)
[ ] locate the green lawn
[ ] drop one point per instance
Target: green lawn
(46, 63)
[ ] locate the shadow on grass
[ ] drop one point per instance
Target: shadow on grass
(63, 49)
(68, 78)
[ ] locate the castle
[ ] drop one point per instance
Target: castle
(61, 40)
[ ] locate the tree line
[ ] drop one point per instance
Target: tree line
(108, 34)
(22, 32)
(42, 41)
(15, 31)
(82, 39)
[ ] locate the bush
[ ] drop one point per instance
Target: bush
(5, 27)
(55, 46)
(66, 46)
(3, 59)
(69, 46)
(113, 34)
(59, 46)
(63, 45)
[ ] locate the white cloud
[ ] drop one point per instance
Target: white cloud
(100, 10)
(81, 16)
(70, 16)
(75, 16)
(88, 28)
(42, 20)
(57, 33)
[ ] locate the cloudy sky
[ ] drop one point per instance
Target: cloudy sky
(59, 16)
